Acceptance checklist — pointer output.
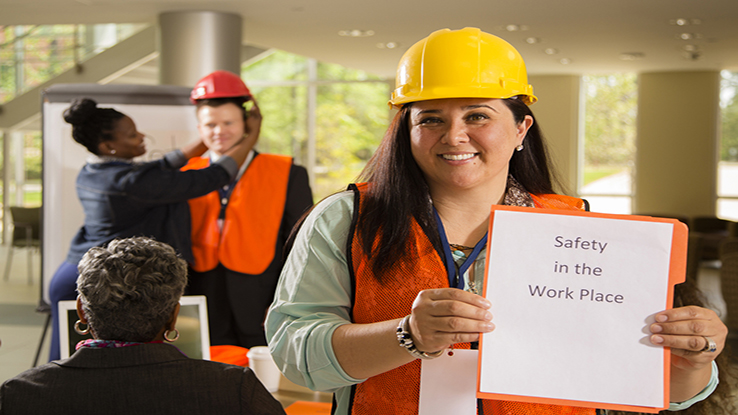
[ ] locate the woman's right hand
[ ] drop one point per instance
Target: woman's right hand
(253, 124)
(252, 128)
(444, 316)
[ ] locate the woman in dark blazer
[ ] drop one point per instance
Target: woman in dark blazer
(122, 197)
(129, 301)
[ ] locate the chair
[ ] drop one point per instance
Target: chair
(26, 234)
(729, 280)
(694, 250)
(713, 230)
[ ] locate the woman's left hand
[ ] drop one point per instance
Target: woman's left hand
(685, 330)
(688, 331)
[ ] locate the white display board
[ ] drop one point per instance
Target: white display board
(163, 113)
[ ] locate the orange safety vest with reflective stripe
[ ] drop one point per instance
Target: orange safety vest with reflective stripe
(398, 391)
(252, 218)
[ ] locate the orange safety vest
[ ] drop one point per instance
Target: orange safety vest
(252, 219)
(398, 391)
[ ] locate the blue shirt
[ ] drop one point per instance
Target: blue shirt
(121, 198)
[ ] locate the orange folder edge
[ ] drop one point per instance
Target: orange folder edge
(677, 274)
(308, 408)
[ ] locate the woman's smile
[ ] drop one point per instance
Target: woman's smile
(458, 157)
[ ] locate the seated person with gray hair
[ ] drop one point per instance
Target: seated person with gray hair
(129, 301)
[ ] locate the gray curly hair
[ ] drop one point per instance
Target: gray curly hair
(129, 289)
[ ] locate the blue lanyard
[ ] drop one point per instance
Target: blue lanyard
(455, 277)
(225, 196)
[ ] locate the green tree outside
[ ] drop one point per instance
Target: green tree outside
(729, 114)
(610, 130)
(351, 115)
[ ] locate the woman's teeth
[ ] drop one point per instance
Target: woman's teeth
(457, 156)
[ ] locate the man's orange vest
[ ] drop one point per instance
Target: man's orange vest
(252, 219)
(397, 391)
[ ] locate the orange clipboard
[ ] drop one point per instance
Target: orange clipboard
(673, 264)
(308, 408)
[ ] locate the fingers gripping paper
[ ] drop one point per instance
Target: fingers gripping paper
(573, 294)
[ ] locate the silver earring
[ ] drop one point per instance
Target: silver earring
(519, 148)
(80, 331)
(176, 336)
(112, 151)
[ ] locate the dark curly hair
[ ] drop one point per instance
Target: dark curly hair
(91, 125)
(129, 289)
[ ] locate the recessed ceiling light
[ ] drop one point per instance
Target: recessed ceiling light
(631, 56)
(356, 33)
(514, 27)
(388, 45)
(692, 56)
(685, 22)
(565, 61)
(533, 40)
(690, 48)
(689, 36)
(550, 51)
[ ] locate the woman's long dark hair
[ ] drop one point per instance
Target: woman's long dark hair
(399, 191)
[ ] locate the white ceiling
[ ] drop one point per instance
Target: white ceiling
(592, 34)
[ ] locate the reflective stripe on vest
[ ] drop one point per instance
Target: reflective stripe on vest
(398, 391)
(252, 219)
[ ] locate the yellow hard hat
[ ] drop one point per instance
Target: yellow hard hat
(466, 63)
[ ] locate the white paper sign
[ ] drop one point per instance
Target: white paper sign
(572, 298)
(448, 384)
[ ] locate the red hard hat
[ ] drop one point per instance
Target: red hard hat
(219, 84)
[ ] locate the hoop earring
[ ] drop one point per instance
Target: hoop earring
(519, 148)
(80, 331)
(112, 151)
(175, 337)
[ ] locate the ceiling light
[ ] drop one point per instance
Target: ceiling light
(692, 56)
(550, 51)
(689, 36)
(565, 61)
(690, 48)
(533, 40)
(685, 22)
(388, 45)
(514, 28)
(356, 33)
(631, 56)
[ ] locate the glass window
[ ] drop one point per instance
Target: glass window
(727, 183)
(329, 118)
(609, 142)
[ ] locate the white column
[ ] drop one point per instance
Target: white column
(678, 116)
